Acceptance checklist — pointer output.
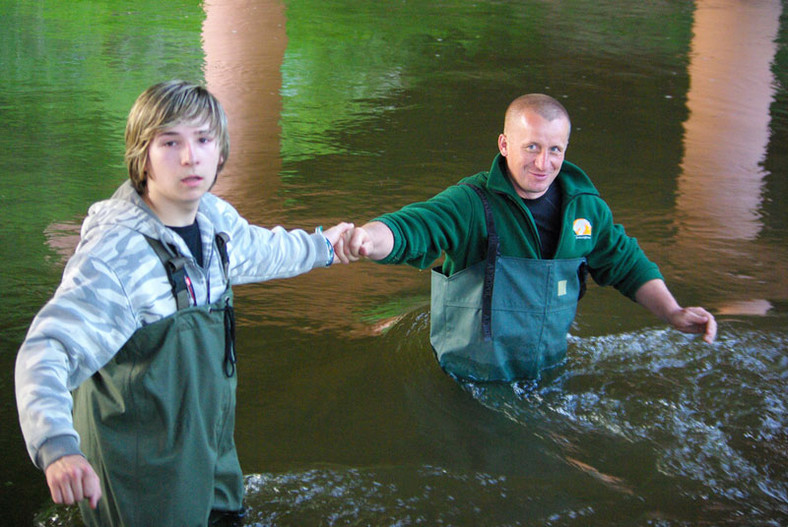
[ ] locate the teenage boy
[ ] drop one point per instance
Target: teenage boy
(141, 329)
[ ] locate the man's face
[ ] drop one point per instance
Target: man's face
(534, 149)
(182, 164)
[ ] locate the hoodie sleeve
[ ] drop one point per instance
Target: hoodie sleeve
(258, 254)
(78, 331)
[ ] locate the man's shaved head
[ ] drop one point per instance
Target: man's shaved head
(539, 103)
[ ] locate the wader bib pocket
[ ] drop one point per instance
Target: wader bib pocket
(532, 307)
(157, 423)
(504, 318)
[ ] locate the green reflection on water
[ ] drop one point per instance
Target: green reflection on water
(341, 61)
(71, 71)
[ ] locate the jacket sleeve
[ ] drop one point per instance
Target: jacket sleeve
(80, 329)
(423, 231)
(617, 258)
(258, 254)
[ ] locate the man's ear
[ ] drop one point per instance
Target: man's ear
(502, 145)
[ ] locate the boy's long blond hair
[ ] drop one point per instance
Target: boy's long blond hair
(163, 106)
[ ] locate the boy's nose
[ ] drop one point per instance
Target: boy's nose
(187, 154)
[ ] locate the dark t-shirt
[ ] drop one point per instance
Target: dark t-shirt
(191, 235)
(546, 211)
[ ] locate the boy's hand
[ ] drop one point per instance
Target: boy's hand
(71, 479)
(337, 235)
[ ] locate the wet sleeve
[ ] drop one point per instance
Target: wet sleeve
(56, 447)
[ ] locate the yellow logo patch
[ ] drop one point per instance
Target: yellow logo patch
(582, 228)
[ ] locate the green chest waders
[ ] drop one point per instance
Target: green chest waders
(157, 421)
(504, 318)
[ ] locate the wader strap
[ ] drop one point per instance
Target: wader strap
(229, 339)
(221, 245)
(175, 272)
(229, 311)
(582, 275)
(179, 280)
(175, 266)
(489, 269)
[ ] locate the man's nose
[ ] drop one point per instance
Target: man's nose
(541, 160)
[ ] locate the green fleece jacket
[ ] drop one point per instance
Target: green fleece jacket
(453, 222)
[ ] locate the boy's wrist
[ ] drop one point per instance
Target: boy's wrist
(330, 253)
(56, 447)
(329, 246)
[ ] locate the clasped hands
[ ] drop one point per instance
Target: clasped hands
(350, 243)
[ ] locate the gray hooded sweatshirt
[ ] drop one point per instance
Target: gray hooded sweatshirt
(115, 284)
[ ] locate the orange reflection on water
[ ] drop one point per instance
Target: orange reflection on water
(244, 43)
(726, 137)
(727, 132)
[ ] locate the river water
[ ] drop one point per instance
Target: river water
(343, 110)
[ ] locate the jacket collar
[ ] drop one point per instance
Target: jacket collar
(571, 178)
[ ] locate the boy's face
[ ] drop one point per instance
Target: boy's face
(182, 164)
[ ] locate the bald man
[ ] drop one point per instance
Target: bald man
(519, 240)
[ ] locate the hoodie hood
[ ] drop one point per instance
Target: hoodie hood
(126, 209)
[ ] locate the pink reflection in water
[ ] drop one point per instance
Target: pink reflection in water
(725, 143)
(727, 132)
(244, 43)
